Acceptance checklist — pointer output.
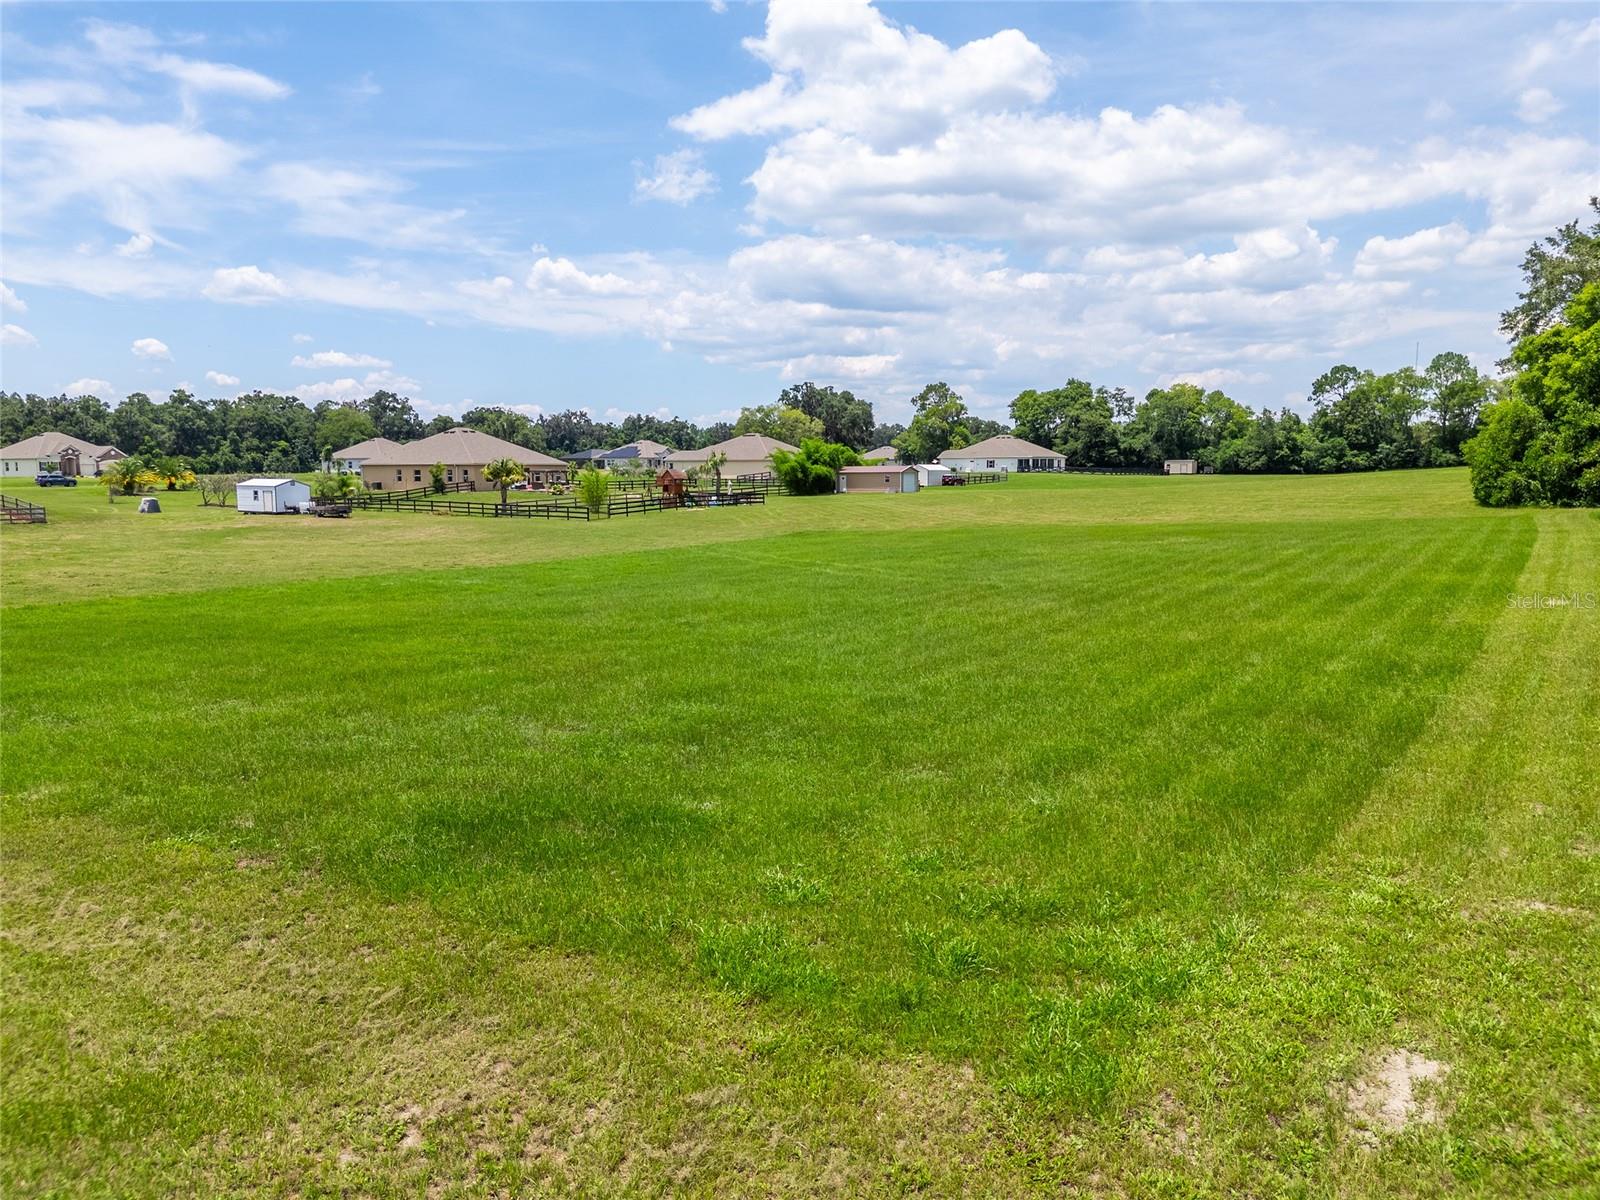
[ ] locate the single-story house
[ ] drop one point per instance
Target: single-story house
(351, 457)
(1003, 453)
(586, 458)
(881, 454)
(652, 454)
(464, 453)
(929, 475)
(1180, 466)
(882, 478)
(271, 495)
(748, 454)
(46, 452)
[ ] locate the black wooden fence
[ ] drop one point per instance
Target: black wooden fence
(624, 505)
(463, 485)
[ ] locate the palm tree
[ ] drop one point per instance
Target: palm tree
(715, 460)
(503, 472)
(126, 475)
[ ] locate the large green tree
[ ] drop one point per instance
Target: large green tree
(507, 425)
(814, 468)
(344, 425)
(1456, 391)
(1554, 271)
(845, 419)
(940, 424)
(393, 416)
(1075, 419)
(1541, 444)
(778, 421)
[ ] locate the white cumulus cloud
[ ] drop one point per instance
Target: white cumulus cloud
(1425, 250)
(150, 347)
(222, 379)
(16, 335)
(323, 359)
(10, 301)
(245, 285)
(1537, 105)
(136, 246)
(99, 388)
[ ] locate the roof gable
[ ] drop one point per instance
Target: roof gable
(44, 445)
(747, 447)
(460, 447)
(365, 449)
(1003, 446)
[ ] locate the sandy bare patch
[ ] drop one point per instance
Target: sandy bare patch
(1167, 1126)
(1399, 1090)
(1544, 906)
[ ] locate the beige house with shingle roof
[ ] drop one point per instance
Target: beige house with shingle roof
(1003, 453)
(748, 454)
(52, 451)
(464, 453)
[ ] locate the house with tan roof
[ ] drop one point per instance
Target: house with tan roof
(45, 452)
(748, 454)
(1003, 453)
(881, 454)
(351, 457)
(464, 453)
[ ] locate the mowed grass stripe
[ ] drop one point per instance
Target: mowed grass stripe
(879, 779)
(1455, 916)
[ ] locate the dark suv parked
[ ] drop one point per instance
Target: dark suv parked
(54, 479)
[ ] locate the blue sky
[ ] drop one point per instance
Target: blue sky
(685, 206)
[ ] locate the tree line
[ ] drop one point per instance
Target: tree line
(266, 431)
(1362, 421)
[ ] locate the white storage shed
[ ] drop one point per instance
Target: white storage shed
(272, 495)
(930, 475)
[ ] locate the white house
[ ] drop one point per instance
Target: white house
(748, 454)
(1180, 466)
(45, 452)
(882, 478)
(351, 457)
(271, 495)
(1003, 453)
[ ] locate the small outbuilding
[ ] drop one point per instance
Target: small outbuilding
(1180, 466)
(672, 484)
(931, 474)
(882, 478)
(272, 496)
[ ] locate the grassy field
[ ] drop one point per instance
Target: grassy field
(1108, 836)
